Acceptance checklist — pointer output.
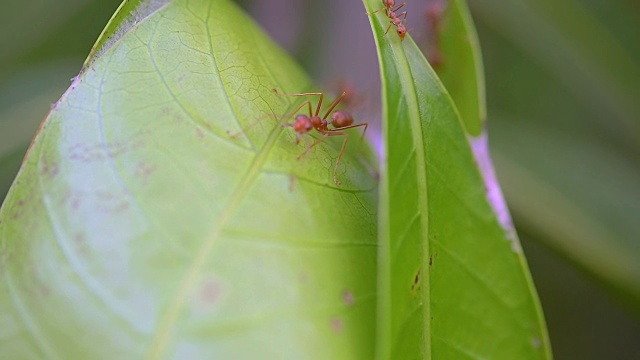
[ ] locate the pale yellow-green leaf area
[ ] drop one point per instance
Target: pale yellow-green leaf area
(162, 210)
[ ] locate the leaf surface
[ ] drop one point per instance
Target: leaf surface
(162, 206)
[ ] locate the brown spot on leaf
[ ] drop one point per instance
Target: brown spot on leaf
(303, 277)
(18, 209)
(210, 292)
(415, 286)
(348, 298)
(97, 152)
(112, 202)
(144, 170)
(536, 342)
(80, 243)
(292, 182)
(49, 168)
(337, 324)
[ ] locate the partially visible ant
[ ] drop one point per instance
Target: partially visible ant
(340, 120)
(434, 13)
(390, 9)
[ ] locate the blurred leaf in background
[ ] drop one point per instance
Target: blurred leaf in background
(563, 83)
(43, 45)
(566, 131)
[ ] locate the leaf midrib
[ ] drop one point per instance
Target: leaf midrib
(161, 338)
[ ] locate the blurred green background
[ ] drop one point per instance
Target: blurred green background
(563, 90)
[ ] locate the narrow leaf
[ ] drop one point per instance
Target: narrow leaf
(460, 66)
(453, 283)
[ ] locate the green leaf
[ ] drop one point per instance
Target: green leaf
(460, 68)
(452, 282)
(161, 211)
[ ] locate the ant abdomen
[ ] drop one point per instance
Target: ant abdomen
(341, 118)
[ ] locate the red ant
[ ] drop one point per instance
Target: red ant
(395, 19)
(434, 13)
(340, 120)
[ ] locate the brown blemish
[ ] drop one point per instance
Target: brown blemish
(210, 292)
(18, 209)
(99, 152)
(337, 324)
(44, 291)
(144, 170)
(72, 199)
(416, 281)
(348, 298)
(110, 202)
(303, 277)
(536, 342)
(49, 168)
(80, 242)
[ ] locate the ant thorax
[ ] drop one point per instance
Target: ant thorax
(318, 122)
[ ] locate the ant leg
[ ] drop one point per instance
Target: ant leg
(331, 132)
(404, 17)
(257, 121)
(334, 104)
(326, 134)
(237, 134)
(389, 27)
(373, 12)
(318, 141)
(344, 146)
(308, 102)
(400, 6)
(305, 94)
(366, 125)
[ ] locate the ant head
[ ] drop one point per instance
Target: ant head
(302, 124)
(389, 3)
(402, 31)
(341, 118)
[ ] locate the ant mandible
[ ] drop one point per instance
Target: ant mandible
(390, 11)
(340, 120)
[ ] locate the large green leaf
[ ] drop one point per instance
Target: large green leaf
(452, 282)
(161, 211)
